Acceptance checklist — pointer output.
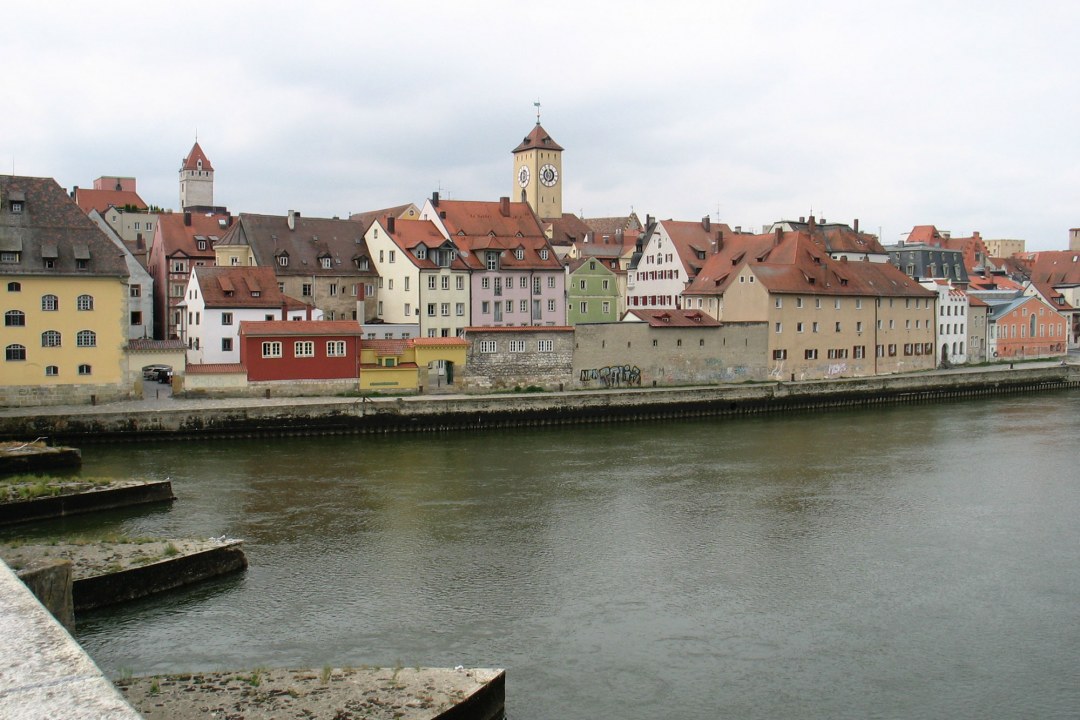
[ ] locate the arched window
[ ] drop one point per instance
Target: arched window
(85, 302)
(84, 369)
(1032, 332)
(15, 352)
(86, 338)
(14, 287)
(50, 303)
(51, 371)
(14, 318)
(50, 338)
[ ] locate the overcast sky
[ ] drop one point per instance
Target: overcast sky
(958, 114)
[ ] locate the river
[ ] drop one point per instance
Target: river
(901, 562)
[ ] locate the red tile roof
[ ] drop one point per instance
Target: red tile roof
(240, 286)
(411, 234)
(191, 162)
(692, 241)
(439, 341)
(178, 237)
(214, 369)
(102, 200)
(1055, 267)
(146, 346)
(538, 138)
(392, 346)
(675, 318)
(483, 225)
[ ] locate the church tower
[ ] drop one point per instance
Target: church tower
(196, 180)
(538, 176)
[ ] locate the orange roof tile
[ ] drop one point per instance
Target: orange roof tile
(258, 328)
(102, 200)
(538, 138)
(191, 162)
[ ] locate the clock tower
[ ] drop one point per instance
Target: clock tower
(538, 173)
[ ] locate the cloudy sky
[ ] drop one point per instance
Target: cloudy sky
(957, 114)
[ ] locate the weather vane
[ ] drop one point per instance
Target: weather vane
(537, 105)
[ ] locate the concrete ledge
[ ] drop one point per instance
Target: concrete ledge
(35, 457)
(105, 498)
(50, 581)
(44, 674)
(167, 574)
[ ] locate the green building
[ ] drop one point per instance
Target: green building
(592, 292)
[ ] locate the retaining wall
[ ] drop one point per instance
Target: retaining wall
(427, 413)
(84, 502)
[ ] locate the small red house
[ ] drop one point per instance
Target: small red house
(1026, 327)
(300, 349)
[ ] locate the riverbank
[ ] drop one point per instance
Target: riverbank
(245, 417)
(331, 693)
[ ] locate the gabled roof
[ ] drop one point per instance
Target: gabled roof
(506, 226)
(191, 162)
(49, 225)
(297, 328)
(568, 229)
(1055, 267)
(178, 237)
(309, 240)
(410, 235)
(1053, 297)
(791, 262)
(694, 243)
(674, 318)
(537, 139)
(239, 286)
(408, 211)
(102, 200)
(609, 225)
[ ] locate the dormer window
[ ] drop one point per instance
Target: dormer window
(544, 254)
(519, 253)
(363, 264)
(325, 262)
(16, 207)
(283, 260)
(201, 243)
(493, 261)
(421, 252)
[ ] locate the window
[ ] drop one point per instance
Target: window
(133, 291)
(9, 257)
(551, 281)
(581, 284)
(606, 305)
(798, 302)
(226, 318)
(15, 353)
(492, 261)
(444, 309)
(810, 355)
(325, 262)
(551, 306)
(444, 282)
(836, 304)
(544, 254)
(837, 326)
(798, 327)
(779, 302)
(485, 307)
(333, 288)
(431, 282)
(335, 348)
(176, 290)
(85, 302)
(584, 308)
(459, 282)
(85, 369)
(304, 348)
(180, 266)
(50, 338)
(51, 371)
(517, 346)
(814, 327)
(431, 310)
(226, 344)
(14, 318)
(779, 327)
(519, 254)
(858, 303)
(545, 345)
(271, 349)
(14, 287)
(393, 255)
(305, 290)
(509, 306)
(86, 338)
(892, 349)
(489, 346)
(779, 354)
(858, 326)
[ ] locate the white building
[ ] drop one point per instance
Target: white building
(952, 322)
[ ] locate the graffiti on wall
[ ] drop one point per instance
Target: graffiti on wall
(613, 376)
(836, 369)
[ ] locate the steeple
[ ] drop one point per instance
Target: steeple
(538, 172)
(196, 179)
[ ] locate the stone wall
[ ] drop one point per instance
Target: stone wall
(508, 367)
(45, 395)
(632, 354)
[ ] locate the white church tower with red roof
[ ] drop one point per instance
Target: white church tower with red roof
(196, 180)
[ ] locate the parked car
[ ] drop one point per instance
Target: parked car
(150, 372)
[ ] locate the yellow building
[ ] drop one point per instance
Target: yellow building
(63, 294)
(409, 365)
(538, 177)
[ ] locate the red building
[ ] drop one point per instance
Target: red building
(1026, 327)
(300, 349)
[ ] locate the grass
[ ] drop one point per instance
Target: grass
(327, 671)
(170, 550)
(32, 487)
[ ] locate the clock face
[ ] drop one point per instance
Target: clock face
(523, 176)
(549, 175)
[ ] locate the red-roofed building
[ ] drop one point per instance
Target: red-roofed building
(300, 350)
(217, 299)
(182, 241)
(113, 201)
(826, 318)
(516, 276)
(1026, 327)
(197, 181)
(672, 253)
(538, 177)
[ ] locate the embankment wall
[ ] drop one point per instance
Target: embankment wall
(471, 412)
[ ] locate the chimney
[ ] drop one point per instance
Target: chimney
(435, 199)
(810, 223)
(442, 214)
(719, 240)
(856, 225)
(619, 236)
(738, 228)
(390, 224)
(975, 234)
(779, 236)
(74, 191)
(504, 206)
(284, 309)
(291, 220)
(802, 218)
(187, 219)
(706, 223)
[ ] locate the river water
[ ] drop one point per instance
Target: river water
(905, 562)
